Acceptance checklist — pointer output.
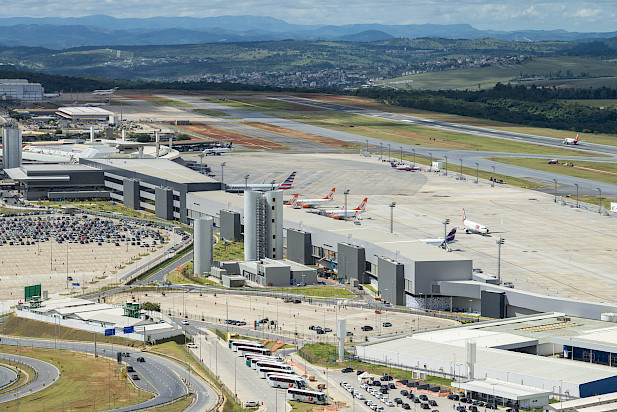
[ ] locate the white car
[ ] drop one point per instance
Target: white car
(359, 396)
(389, 403)
(185, 322)
(191, 345)
(364, 386)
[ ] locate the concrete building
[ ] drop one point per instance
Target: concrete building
(263, 225)
(20, 89)
(11, 145)
(270, 272)
(202, 246)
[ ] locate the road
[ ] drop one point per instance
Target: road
(47, 374)
(159, 276)
(7, 376)
(157, 374)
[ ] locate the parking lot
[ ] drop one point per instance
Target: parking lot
(88, 251)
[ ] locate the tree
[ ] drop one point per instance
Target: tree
(156, 307)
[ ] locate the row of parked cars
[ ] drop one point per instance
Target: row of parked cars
(474, 404)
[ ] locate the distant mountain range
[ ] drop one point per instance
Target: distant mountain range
(62, 33)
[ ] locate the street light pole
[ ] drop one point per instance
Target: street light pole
(389, 152)
(430, 165)
(401, 154)
(201, 163)
(461, 176)
(600, 202)
(477, 167)
(392, 216)
(246, 182)
(380, 151)
(446, 222)
(499, 243)
(555, 197)
(346, 192)
(414, 156)
(222, 172)
(446, 165)
(366, 145)
(493, 177)
(576, 184)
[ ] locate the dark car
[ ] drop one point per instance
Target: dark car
(404, 392)
(366, 328)
(411, 396)
(141, 359)
(327, 330)
(453, 397)
(359, 372)
(297, 301)
(398, 401)
(391, 385)
(383, 390)
(417, 400)
(461, 408)
(406, 406)
(347, 370)
(491, 406)
(130, 369)
(466, 400)
(425, 406)
(432, 402)
(386, 378)
(349, 333)
(473, 408)
(320, 331)
(423, 397)
(135, 377)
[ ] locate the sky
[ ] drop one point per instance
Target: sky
(507, 15)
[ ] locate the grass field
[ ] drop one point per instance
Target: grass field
(326, 291)
(80, 374)
(16, 326)
(229, 251)
(176, 406)
(417, 135)
(176, 276)
(264, 104)
(536, 71)
(209, 112)
(371, 288)
(160, 100)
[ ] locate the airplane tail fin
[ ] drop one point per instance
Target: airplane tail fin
(392, 164)
(331, 194)
(362, 205)
(293, 200)
(450, 237)
(464, 215)
(288, 183)
(576, 140)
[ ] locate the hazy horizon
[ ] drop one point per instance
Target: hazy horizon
(505, 15)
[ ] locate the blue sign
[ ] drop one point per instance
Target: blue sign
(75, 283)
(129, 329)
(109, 332)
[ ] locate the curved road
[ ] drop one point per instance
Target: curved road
(47, 374)
(7, 376)
(157, 374)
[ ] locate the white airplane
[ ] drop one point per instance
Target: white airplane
(441, 242)
(217, 150)
(103, 92)
(262, 187)
(292, 201)
(473, 227)
(306, 203)
(569, 140)
(404, 168)
(105, 103)
(343, 214)
(52, 95)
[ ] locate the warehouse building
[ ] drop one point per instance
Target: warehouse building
(20, 89)
(85, 114)
(517, 358)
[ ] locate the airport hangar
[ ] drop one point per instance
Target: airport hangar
(517, 359)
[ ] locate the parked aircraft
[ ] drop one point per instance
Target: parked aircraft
(306, 203)
(218, 150)
(343, 213)
(404, 167)
(102, 92)
(105, 103)
(569, 140)
(239, 188)
(292, 201)
(52, 95)
(473, 227)
(441, 242)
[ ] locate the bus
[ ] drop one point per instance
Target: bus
(254, 360)
(243, 350)
(272, 365)
(234, 343)
(250, 356)
(302, 395)
(265, 371)
(281, 380)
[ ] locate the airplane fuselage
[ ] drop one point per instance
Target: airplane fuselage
(473, 227)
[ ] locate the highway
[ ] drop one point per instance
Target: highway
(157, 374)
(7, 376)
(47, 375)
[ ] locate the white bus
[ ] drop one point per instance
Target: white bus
(250, 356)
(260, 358)
(243, 350)
(265, 371)
(234, 343)
(281, 380)
(301, 395)
(259, 365)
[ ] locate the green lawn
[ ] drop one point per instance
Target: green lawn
(229, 250)
(209, 112)
(178, 277)
(326, 291)
(416, 135)
(172, 103)
(370, 287)
(263, 104)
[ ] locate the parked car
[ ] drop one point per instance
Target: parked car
(347, 370)
(425, 406)
(386, 378)
(473, 408)
(398, 401)
(191, 345)
(404, 392)
(251, 404)
(406, 406)
(391, 385)
(386, 324)
(366, 328)
(461, 408)
(432, 402)
(453, 397)
(491, 406)
(423, 398)
(359, 372)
